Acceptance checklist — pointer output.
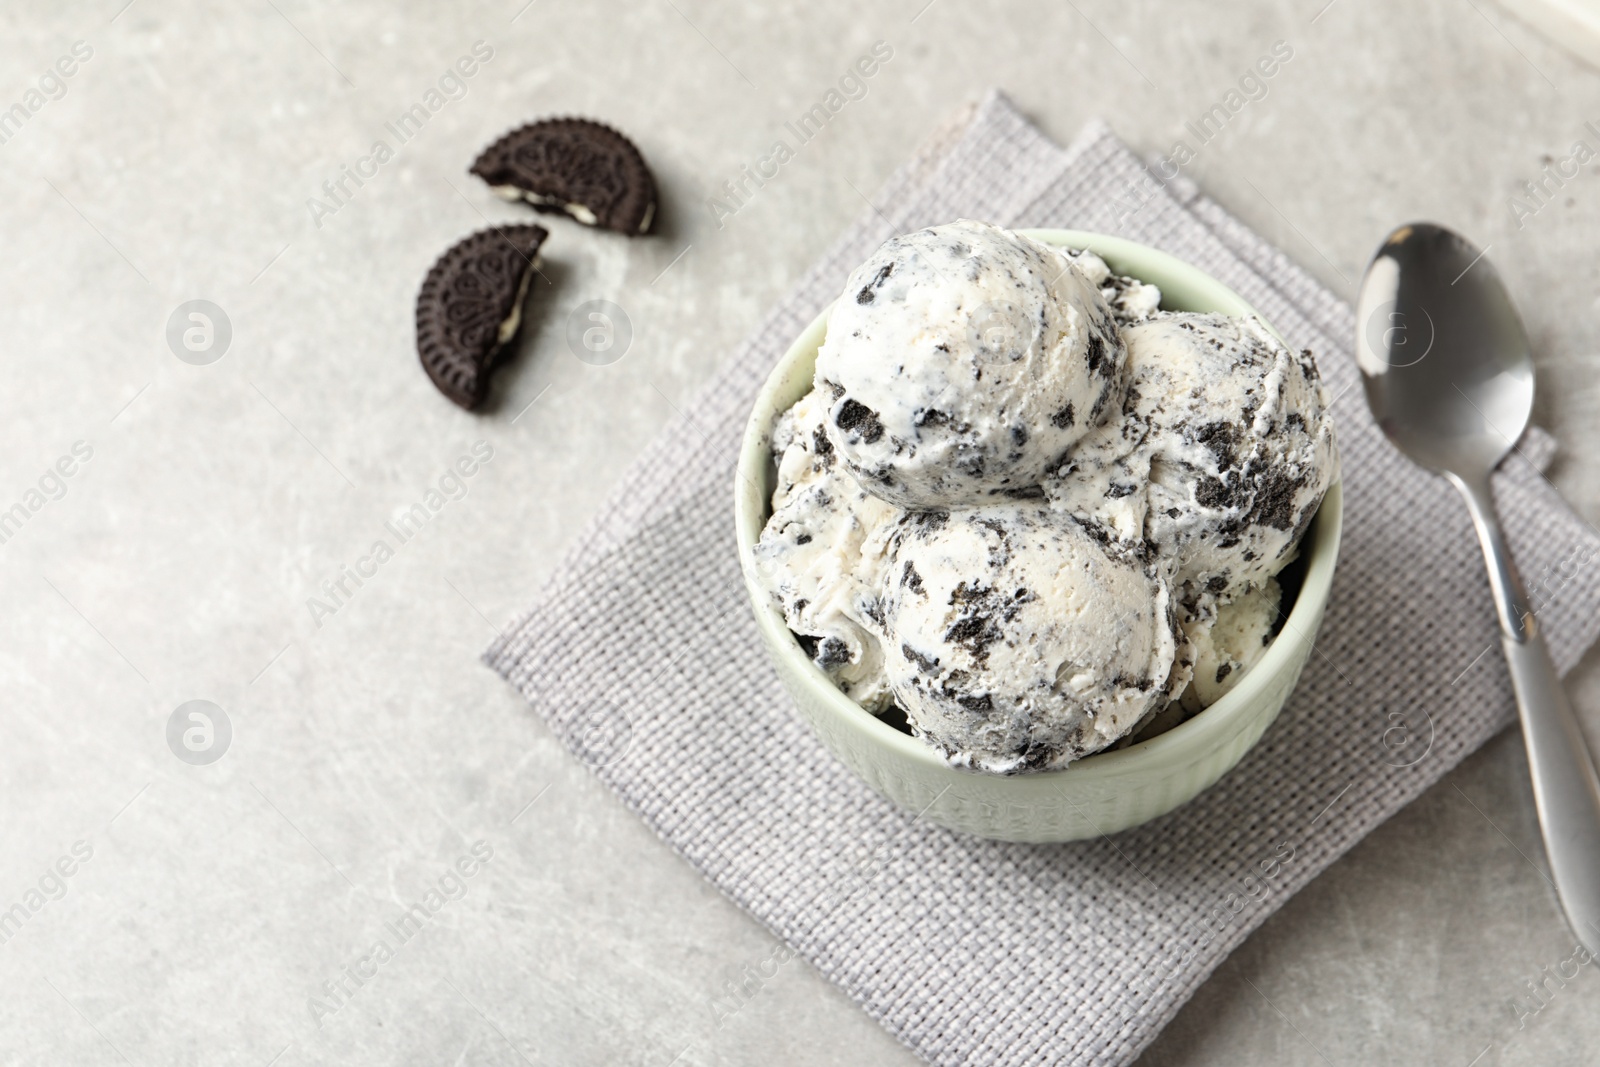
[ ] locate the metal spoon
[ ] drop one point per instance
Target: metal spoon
(1449, 377)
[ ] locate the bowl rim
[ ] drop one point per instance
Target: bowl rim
(1205, 731)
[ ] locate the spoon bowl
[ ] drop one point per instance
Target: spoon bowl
(1443, 355)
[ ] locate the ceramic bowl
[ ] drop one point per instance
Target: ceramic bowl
(1099, 794)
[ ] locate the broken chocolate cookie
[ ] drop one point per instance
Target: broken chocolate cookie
(470, 308)
(587, 170)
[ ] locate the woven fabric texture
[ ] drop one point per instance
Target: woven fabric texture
(643, 657)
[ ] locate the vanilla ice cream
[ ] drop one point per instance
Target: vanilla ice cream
(962, 362)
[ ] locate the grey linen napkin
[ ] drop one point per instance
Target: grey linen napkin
(643, 657)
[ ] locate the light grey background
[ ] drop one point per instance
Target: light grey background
(369, 753)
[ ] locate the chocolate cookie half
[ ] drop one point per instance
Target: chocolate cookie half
(470, 308)
(587, 170)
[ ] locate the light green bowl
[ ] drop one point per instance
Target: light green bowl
(1099, 794)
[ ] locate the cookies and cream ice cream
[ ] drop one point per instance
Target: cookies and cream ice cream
(1016, 639)
(1239, 447)
(1225, 430)
(1129, 299)
(1230, 642)
(810, 555)
(1031, 509)
(962, 362)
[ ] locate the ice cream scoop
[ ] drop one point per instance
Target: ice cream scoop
(1230, 642)
(1129, 299)
(1221, 457)
(1016, 641)
(811, 556)
(962, 362)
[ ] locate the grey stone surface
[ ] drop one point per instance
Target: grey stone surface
(369, 753)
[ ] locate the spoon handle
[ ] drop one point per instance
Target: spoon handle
(1566, 789)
